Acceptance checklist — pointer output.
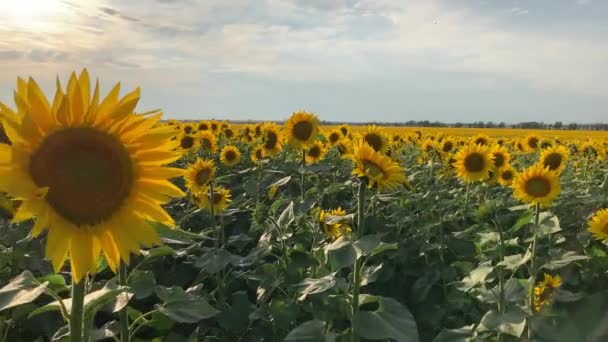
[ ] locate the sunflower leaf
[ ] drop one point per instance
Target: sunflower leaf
(22, 289)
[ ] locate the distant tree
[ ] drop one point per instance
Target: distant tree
(572, 126)
(501, 125)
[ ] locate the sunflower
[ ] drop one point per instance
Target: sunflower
(532, 143)
(379, 170)
(301, 129)
(208, 141)
(199, 174)
(480, 139)
(545, 291)
(344, 146)
(375, 138)
(90, 172)
(500, 156)
(214, 126)
(427, 145)
(230, 155)
(188, 128)
(257, 154)
(315, 153)
(336, 229)
(473, 162)
(598, 225)
(446, 146)
(203, 126)
(229, 133)
(536, 185)
(187, 142)
(214, 203)
(345, 130)
(555, 158)
(506, 175)
(271, 139)
(334, 136)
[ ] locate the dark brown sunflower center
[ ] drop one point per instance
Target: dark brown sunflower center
(344, 130)
(259, 154)
(230, 155)
(447, 146)
(89, 174)
(218, 197)
(314, 152)
(228, 133)
(203, 176)
(533, 142)
(553, 161)
(538, 187)
(214, 127)
(334, 137)
(474, 162)
(188, 129)
(374, 140)
(271, 140)
(499, 159)
(481, 141)
(203, 127)
(302, 130)
(507, 175)
(187, 142)
(206, 143)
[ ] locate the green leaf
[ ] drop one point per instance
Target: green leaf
(236, 317)
(213, 262)
(142, 283)
(159, 252)
(56, 282)
(390, 320)
(281, 182)
(511, 322)
(311, 331)
(312, 286)
(369, 274)
(549, 223)
(513, 262)
(476, 277)
(464, 334)
(341, 253)
(564, 260)
(176, 235)
(287, 216)
(421, 287)
(183, 307)
(284, 312)
(522, 221)
(22, 289)
(372, 245)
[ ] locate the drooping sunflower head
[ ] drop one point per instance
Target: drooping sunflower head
(332, 223)
(375, 138)
(506, 175)
(271, 139)
(301, 129)
(532, 143)
(208, 141)
(257, 154)
(480, 139)
(315, 153)
(230, 155)
(214, 202)
(545, 291)
(187, 142)
(555, 158)
(473, 162)
(377, 169)
(334, 136)
(536, 185)
(199, 174)
(501, 156)
(89, 171)
(598, 225)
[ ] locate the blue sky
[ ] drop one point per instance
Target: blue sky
(346, 60)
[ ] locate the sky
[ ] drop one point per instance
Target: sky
(345, 60)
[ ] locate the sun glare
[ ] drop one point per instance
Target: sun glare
(30, 14)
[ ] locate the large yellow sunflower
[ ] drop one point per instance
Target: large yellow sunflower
(473, 162)
(315, 153)
(90, 172)
(257, 154)
(536, 185)
(220, 199)
(598, 225)
(500, 156)
(230, 155)
(379, 170)
(271, 138)
(199, 174)
(375, 138)
(187, 142)
(301, 129)
(555, 158)
(506, 175)
(208, 141)
(228, 132)
(532, 143)
(337, 229)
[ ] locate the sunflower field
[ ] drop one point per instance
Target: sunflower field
(118, 226)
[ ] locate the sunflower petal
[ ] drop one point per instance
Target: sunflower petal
(81, 254)
(57, 244)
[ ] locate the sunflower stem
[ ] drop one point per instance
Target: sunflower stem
(357, 268)
(303, 173)
(77, 312)
(501, 280)
(123, 315)
(533, 266)
(466, 198)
